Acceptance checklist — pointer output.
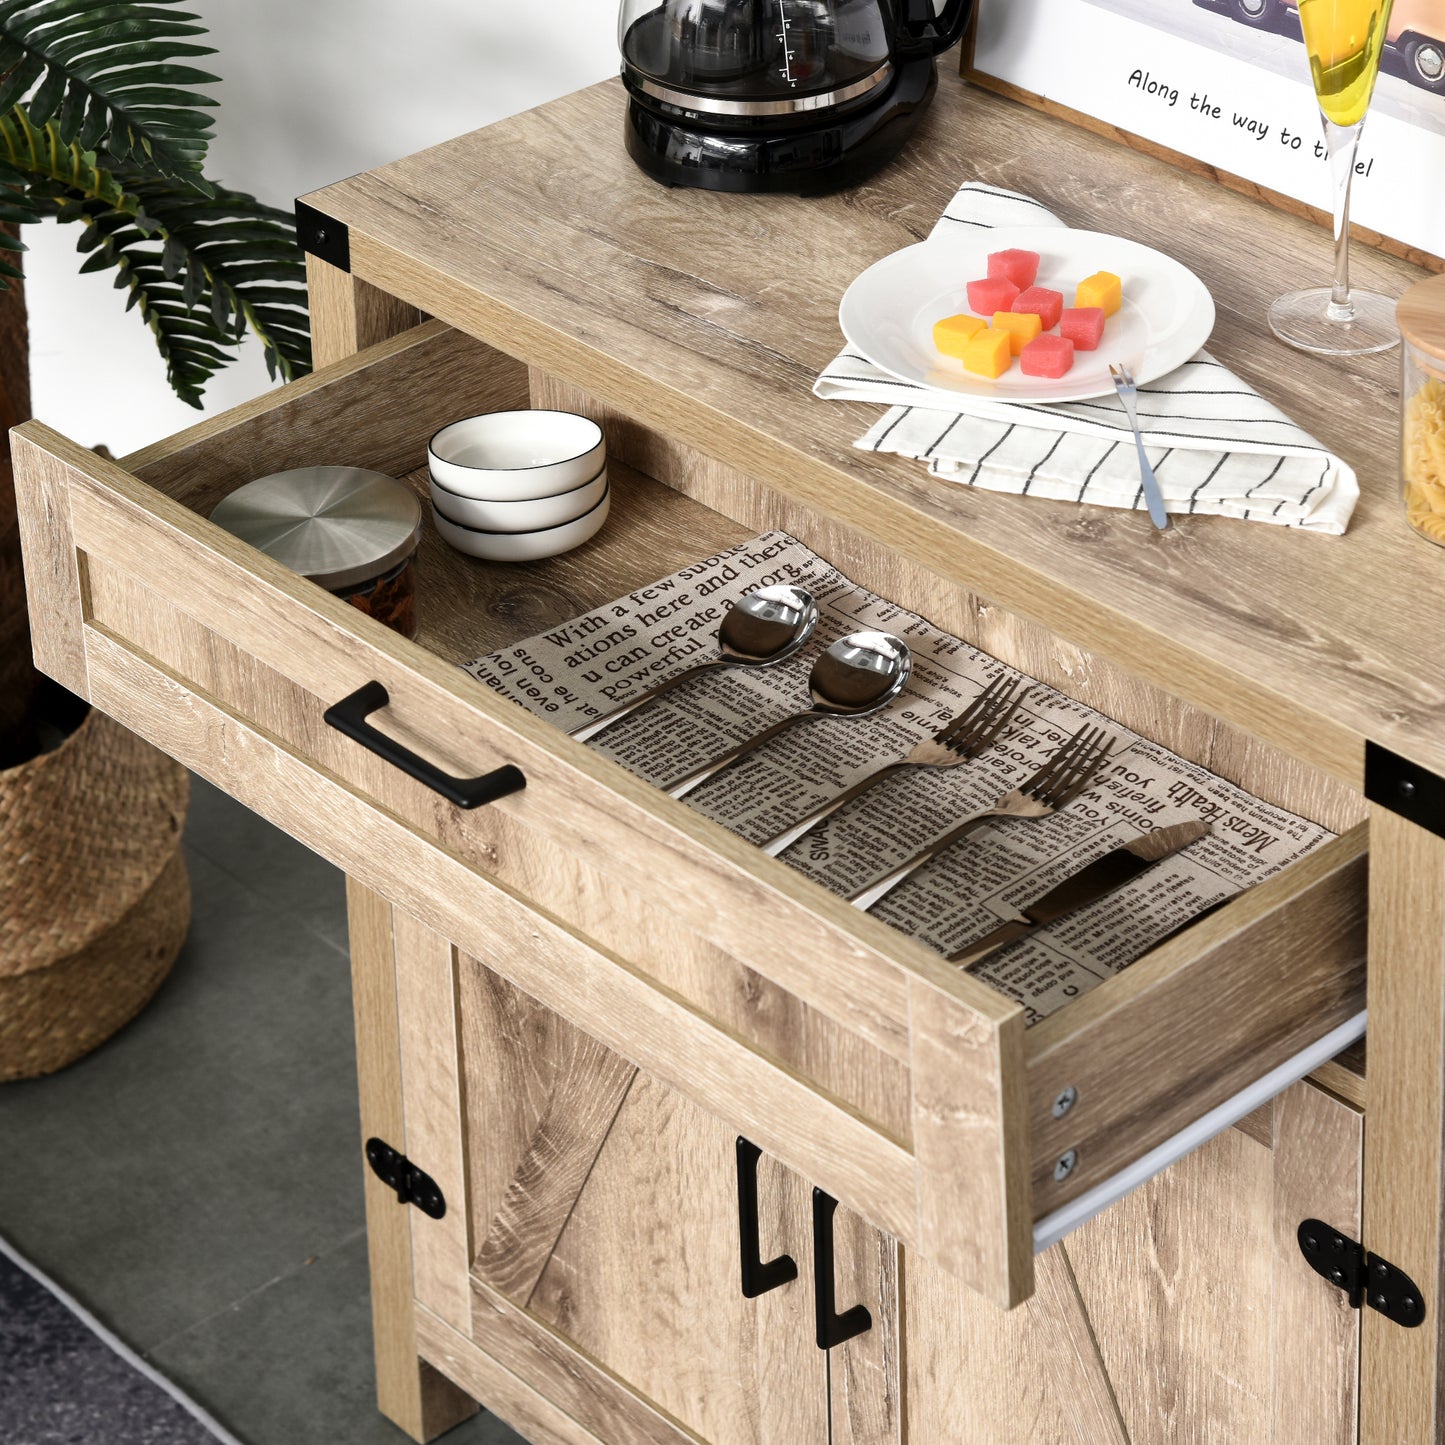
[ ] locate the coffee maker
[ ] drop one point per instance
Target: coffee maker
(778, 95)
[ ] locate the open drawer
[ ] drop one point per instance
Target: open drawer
(854, 1055)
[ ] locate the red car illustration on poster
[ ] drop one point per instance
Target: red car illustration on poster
(1416, 35)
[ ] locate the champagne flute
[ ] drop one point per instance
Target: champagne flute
(1344, 39)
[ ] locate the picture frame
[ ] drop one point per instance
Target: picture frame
(1235, 56)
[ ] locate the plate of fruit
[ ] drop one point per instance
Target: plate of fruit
(1026, 313)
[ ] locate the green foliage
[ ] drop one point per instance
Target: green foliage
(95, 128)
(106, 72)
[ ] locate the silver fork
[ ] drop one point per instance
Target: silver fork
(958, 740)
(1053, 786)
(1129, 395)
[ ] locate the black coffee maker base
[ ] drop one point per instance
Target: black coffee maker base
(826, 154)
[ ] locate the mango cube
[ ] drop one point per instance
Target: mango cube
(988, 353)
(1103, 289)
(953, 333)
(1021, 326)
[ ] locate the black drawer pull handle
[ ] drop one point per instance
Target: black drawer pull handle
(758, 1278)
(833, 1328)
(349, 716)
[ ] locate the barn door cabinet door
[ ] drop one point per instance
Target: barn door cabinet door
(593, 1237)
(1183, 1315)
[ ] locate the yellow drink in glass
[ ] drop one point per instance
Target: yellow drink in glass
(1344, 39)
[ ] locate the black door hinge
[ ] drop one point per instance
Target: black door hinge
(1364, 1277)
(412, 1185)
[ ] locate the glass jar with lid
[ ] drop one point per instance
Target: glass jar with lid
(1421, 315)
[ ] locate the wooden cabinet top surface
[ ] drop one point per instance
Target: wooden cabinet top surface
(709, 317)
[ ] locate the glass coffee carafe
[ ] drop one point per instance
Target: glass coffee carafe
(702, 67)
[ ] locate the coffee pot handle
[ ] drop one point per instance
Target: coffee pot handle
(920, 31)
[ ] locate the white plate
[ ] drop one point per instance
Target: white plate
(889, 311)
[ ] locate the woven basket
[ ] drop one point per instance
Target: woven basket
(95, 902)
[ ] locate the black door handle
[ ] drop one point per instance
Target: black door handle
(758, 1278)
(350, 715)
(833, 1328)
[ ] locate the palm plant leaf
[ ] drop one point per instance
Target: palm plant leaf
(202, 269)
(108, 74)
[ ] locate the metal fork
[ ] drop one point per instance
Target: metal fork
(1056, 784)
(1129, 395)
(958, 740)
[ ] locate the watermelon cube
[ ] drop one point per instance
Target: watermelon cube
(1047, 355)
(1020, 267)
(996, 294)
(1083, 325)
(1045, 304)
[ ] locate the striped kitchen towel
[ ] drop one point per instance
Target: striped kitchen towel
(1217, 446)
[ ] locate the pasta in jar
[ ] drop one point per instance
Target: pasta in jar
(1423, 462)
(1421, 314)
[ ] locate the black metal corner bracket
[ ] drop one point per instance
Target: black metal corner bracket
(412, 1185)
(320, 236)
(1364, 1277)
(1405, 788)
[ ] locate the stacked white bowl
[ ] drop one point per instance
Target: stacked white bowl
(515, 486)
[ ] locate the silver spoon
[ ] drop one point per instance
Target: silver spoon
(761, 629)
(858, 675)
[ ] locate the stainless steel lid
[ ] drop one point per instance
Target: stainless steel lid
(339, 526)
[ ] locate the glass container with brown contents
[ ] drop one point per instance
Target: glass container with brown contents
(1421, 314)
(352, 531)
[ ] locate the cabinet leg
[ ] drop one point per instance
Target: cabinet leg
(348, 315)
(1404, 1186)
(409, 1391)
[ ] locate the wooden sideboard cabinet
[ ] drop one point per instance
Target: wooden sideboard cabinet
(574, 1002)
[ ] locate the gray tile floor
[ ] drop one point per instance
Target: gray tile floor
(196, 1182)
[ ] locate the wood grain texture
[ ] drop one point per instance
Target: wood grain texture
(544, 1097)
(1272, 971)
(875, 1173)
(1401, 1376)
(865, 1374)
(347, 314)
(376, 409)
(523, 1392)
(975, 1374)
(776, 1110)
(1345, 1075)
(1314, 1395)
(849, 966)
(1183, 1315)
(435, 1107)
(408, 1391)
(970, 1133)
(1175, 1279)
(644, 1280)
(700, 343)
(53, 582)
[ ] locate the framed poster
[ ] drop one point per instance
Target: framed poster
(1223, 87)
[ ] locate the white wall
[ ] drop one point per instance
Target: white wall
(313, 90)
